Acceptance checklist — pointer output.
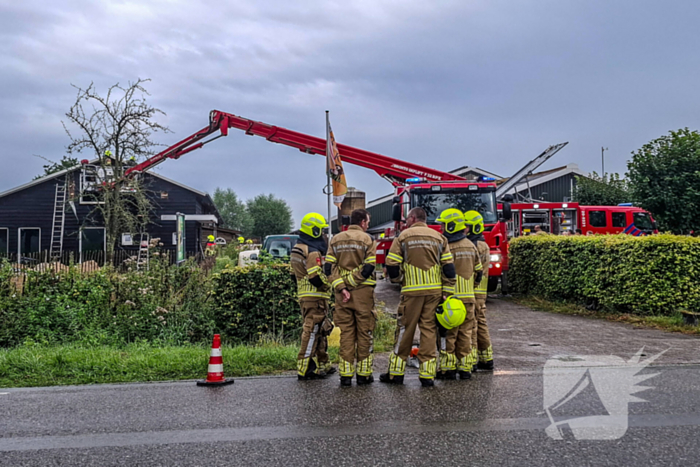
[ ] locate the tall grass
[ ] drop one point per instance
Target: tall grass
(39, 365)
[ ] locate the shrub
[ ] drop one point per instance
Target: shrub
(256, 300)
(658, 274)
(166, 303)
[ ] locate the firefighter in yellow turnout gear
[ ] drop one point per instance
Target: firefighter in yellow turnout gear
(456, 345)
(211, 246)
(482, 352)
(350, 264)
(420, 259)
(313, 293)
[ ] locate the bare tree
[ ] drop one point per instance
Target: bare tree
(116, 129)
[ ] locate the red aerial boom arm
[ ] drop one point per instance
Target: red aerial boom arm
(394, 170)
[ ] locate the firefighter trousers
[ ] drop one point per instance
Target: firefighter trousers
(313, 355)
(456, 347)
(416, 310)
(481, 340)
(356, 320)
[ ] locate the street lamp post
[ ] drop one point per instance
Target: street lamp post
(602, 158)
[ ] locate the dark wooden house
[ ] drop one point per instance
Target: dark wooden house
(33, 216)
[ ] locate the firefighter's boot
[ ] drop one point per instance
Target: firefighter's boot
(464, 375)
(427, 382)
(347, 369)
(364, 371)
(448, 365)
(307, 369)
(397, 368)
(450, 375)
(426, 372)
(363, 380)
(346, 381)
(391, 379)
(485, 359)
(465, 367)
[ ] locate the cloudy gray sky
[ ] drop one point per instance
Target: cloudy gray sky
(487, 83)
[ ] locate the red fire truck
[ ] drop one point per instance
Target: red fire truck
(557, 218)
(415, 185)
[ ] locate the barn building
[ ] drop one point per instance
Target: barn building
(57, 212)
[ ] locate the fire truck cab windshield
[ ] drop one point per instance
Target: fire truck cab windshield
(643, 222)
(435, 202)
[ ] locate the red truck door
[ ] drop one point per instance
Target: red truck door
(595, 220)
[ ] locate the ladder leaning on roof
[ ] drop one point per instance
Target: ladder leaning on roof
(59, 221)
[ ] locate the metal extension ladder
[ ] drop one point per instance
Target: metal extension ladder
(59, 220)
(142, 259)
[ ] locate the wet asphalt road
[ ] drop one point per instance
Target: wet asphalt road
(493, 419)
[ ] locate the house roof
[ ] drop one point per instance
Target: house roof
(466, 169)
(37, 181)
(545, 176)
(45, 178)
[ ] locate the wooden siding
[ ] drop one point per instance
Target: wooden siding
(557, 190)
(33, 207)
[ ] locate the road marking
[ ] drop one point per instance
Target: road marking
(305, 432)
(4, 393)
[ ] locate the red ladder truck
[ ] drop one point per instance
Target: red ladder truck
(415, 185)
(558, 218)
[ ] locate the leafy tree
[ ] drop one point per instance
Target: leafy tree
(116, 129)
(665, 178)
(270, 215)
(66, 162)
(233, 211)
(608, 190)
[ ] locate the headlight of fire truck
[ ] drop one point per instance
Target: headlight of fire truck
(496, 258)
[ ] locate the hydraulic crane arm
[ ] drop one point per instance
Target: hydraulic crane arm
(394, 170)
(528, 168)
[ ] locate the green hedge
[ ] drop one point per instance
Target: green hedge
(658, 274)
(165, 305)
(255, 300)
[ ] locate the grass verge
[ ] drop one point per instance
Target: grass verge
(40, 365)
(673, 323)
(75, 364)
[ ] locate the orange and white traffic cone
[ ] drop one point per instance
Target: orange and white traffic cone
(413, 357)
(215, 373)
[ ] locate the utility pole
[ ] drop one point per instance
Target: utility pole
(602, 158)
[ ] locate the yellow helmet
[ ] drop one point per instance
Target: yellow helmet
(451, 313)
(249, 241)
(313, 224)
(241, 240)
(474, 220)
(381, 235)
(211, 238)
(453, 219)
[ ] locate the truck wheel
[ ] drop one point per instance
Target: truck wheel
(505, 286)
(493, 284)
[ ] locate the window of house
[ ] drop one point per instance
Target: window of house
(92, 243)
(597, 219)
(4, 239)
(91, 179)
(29, 240)
(619, 219)
(127, 239)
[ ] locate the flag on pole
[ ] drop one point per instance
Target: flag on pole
(335, 166)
